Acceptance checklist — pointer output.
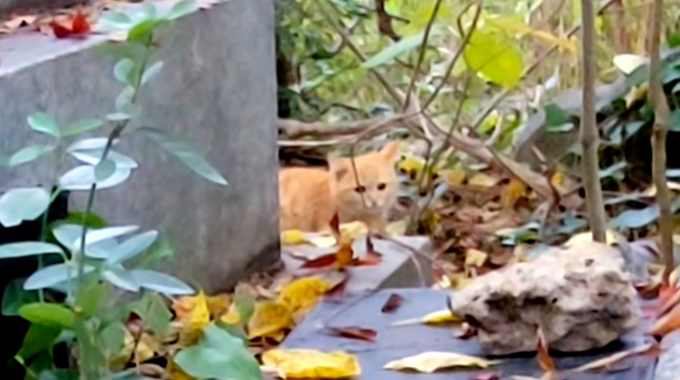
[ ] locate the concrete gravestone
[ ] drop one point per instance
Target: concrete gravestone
(217, 88)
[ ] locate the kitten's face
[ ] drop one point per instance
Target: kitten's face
(378, 186)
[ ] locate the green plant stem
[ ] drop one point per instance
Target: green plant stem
(115, 133)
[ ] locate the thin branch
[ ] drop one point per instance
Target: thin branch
(498, 98)
(384, 20)
(421, 54)
(459, 52)
(590, 136)
(657, 99)
(341, 31)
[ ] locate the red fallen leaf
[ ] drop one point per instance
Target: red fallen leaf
(669, 322)
(79, 27)
(392, 304)
(353, 332)
(321, 261)
(372, 258)
(669, 302)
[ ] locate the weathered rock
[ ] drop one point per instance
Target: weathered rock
(581, 298)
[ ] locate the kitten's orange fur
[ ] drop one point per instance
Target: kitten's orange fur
(310, 197)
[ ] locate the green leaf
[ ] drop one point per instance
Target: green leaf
(104, 169)
(15, 296)
(143, 31)
(44, 123)
(495, 56)
(674, 125)
(28, 248)
(154, 312)
(38, 338)
(245, 304)
(160, 282)
(393, 51)
(48, 314)
(59, 374)
(21, 204)
(28, 154)
(91, 220)
(554, 115)
(112, 338)
(151, 71)
(91, 296)
(185, 153)
(53, 275)
(219, 356)
(123, 70)
(82, 126)
(182, 8)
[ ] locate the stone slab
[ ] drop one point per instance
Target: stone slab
(400, 266)
(397, 342)
(668, 367)
(217, 87)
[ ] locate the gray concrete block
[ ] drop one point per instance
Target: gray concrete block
(395, 342)
(400, 266)
(668, 367)
(217, 88)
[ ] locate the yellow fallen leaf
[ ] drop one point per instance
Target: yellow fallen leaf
(429, 362)
(353, 230)
(302, 294)
(482, 180)
(307, 364)
(293, 237)
(475, 258)
(218, 305)
(456, 176)
(433, 318)
(232, 317)
(515, 190)
(269, 319)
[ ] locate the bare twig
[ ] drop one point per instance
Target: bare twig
(459, 52)
(385, 21)
(348, 41)
(661, 121)
(421, 54)
(590, 136)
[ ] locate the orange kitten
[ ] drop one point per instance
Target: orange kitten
(310, 197)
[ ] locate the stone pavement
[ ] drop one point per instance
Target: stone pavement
(363, 310)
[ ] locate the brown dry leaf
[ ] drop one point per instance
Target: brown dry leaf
(429, 362)
(544, 360)
(269, 320)
(310, 364)
(606, 362)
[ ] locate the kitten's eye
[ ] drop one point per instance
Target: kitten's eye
(360, 189)
(382, 186)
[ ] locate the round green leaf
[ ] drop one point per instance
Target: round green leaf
(495, 56)
(43, 123)
(22, 204)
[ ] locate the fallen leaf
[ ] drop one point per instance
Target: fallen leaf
(475, 258)
(429, 362)
(293, 237)
(434, 318)
(353, 332)
(607, 362)
(79, 27)
(546, 362)
(393, 302)
(514, 190)
(269, 319)
(232, 317)
(194, 316)
(301, 295)
(321, 261)
(482, 180)
(309, 364)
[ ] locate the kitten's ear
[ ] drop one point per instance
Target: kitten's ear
(338, 168)
(391, 151)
